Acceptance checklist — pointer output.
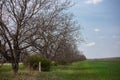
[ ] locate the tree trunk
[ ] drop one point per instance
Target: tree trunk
(15, 67)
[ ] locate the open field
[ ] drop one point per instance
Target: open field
(85, 70)
(106, 59)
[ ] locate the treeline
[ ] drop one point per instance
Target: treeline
(41, 27)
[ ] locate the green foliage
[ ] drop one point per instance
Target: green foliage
(45, 64)
(53, 63)
(33, 63)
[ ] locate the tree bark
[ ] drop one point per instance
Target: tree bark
(15, 67)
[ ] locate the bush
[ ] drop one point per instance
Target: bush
(62, 62)
(53, 63)
(33, 63)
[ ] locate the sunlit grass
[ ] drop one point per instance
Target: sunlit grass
(86, 70)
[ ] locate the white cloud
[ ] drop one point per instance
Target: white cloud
(93, 1)
(96, 30)
(91, 44)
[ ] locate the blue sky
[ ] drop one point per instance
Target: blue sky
(100, 22)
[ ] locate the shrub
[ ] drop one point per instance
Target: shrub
(33, 63)
(62, 62)
(53, 63)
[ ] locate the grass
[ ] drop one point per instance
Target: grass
(85, 70)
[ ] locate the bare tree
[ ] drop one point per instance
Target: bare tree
(41, 26)
(53, 25)
(17, 25)
(57, 29)
(58, 38)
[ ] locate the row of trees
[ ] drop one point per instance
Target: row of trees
(36, 26)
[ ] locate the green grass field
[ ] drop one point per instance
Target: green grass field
(85, 70)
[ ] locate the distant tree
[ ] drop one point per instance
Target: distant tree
(68, 53)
